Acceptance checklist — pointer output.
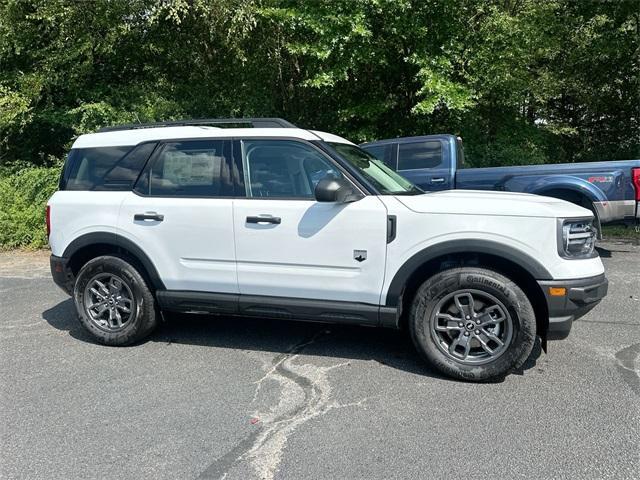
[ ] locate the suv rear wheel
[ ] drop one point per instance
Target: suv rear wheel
(113, 301)
(472, 324)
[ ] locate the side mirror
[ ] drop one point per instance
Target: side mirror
(336, 190)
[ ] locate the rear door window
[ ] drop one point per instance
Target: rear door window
(419, 155)
(385, 152)
(198, 168)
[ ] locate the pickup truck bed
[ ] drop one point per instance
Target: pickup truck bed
(610, 189)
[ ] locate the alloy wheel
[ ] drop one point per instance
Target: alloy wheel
(471, 326)
(108, 302)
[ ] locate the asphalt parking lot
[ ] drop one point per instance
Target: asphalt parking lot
(210, 398)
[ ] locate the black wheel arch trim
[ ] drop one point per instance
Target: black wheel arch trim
(404, 273)
(110, 238)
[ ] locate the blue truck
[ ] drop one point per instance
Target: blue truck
(436, 162)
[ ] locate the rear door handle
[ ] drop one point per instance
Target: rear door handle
(149, 216)
(437, 180)
(264, 219)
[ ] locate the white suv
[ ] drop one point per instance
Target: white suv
(277, 221)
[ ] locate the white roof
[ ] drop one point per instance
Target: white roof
(138, 135)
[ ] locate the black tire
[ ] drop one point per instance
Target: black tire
(142, 318)
(427, 324)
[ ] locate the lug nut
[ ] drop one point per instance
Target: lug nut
(477, 332)
(468, 317)
(478, 322)
(466, 334)
(460, 324)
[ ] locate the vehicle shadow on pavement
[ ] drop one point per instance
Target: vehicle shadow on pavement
(63, 317)
(392, 348)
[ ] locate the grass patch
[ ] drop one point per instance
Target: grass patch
(621, 232)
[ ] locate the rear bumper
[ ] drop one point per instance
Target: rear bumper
(615, 210)
(61, 273)
(581, 296)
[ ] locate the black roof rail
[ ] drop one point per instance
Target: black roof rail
(254, 122)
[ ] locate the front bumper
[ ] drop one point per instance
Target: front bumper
(62, 274)
(581, 296)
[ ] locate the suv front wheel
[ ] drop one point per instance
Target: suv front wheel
(472, 324)
(113, 301)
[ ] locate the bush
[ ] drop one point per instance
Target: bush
(23, 197)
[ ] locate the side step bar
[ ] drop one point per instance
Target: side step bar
(310, 310)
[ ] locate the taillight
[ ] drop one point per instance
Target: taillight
(635, 174)
(48, 217)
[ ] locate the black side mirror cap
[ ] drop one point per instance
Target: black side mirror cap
(336, 190)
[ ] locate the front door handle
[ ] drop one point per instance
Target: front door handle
(149, 216)
(437, 180)
(264, 219)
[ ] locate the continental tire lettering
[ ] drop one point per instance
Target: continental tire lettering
(488, 282)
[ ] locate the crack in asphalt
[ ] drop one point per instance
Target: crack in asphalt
(304, 394)
(625, 364)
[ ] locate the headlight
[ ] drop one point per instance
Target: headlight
(576, 238)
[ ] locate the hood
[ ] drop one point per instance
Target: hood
(483, 202)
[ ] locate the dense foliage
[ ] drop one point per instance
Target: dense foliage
(522, 81)
(23, 196)
(519, 80)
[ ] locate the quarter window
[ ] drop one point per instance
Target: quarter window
(104, 168)
(283, 169)
(414, 156)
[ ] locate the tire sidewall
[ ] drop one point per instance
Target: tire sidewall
(507, 292)
(144, 308)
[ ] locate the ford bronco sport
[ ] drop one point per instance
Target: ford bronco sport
(266, 219)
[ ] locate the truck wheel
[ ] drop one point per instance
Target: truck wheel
(472, 324)
(113, 301)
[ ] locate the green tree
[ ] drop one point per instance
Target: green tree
(522, 81)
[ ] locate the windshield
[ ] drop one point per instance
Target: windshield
(385, 180)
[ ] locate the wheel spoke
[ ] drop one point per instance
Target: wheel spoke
(99, 308)
(123, 308)
(115, 320)
(450, 323)
(492, 315)
(124, 304)
(492, 337)
(97, 304)
(97, 293)
(465, 303)
(461, 341)
(115, 286)
(484, 344)
(112, 318)
(102, 287)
